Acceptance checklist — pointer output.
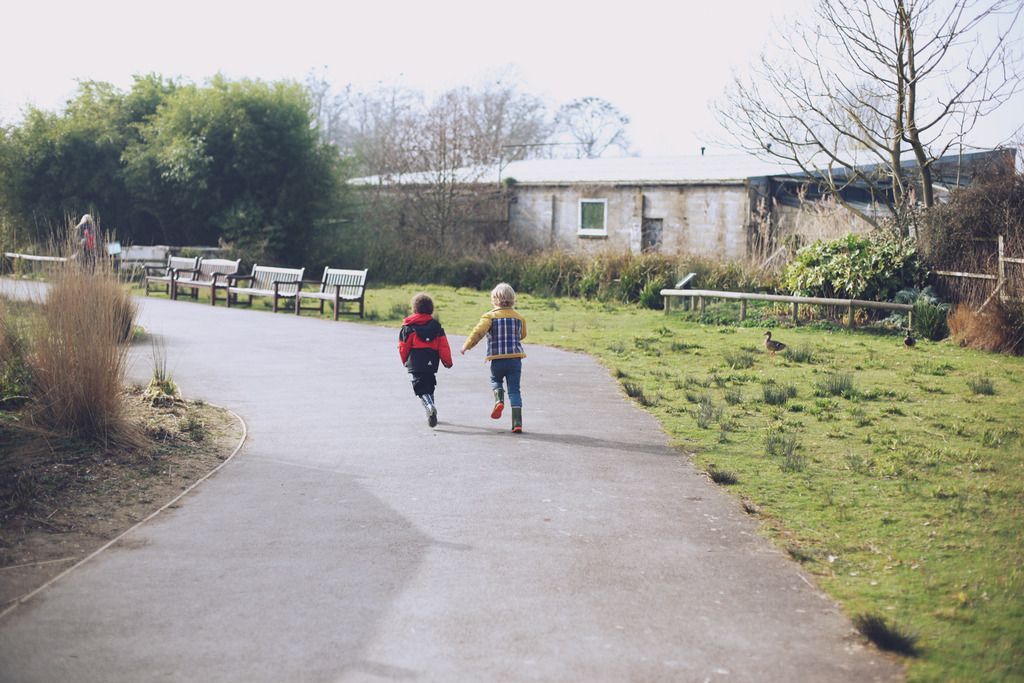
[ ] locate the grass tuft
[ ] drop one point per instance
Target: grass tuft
(734, 397)
(707, 412)
(723, 477)
(777, 394)
(886, 636)
(739, 360)
(636, 392)
(981, 385)
(835, 384)
(800, 354)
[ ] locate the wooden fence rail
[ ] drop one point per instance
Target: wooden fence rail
(850, 304)
(10, 257)
(1000, 278)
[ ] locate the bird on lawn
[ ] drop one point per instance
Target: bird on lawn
(909, 341)
(772, 345)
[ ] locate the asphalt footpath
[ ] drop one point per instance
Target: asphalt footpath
(349, 541)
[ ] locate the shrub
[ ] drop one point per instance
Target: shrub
(930, 319)
(855, 267)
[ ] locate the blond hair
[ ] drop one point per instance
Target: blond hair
(503, 296)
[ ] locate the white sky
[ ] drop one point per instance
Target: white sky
(659, 61)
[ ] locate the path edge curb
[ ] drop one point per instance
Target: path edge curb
(241, 442)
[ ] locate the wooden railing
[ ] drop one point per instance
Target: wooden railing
(999, 277)
(10, 257)
(850, 304)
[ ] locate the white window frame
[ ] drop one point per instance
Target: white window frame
(591, 232)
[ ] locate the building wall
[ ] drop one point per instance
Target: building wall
(801, 225)
(705, 220)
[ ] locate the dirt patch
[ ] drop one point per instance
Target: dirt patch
(61, 500)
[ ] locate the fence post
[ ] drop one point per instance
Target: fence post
(796, 313)
(1001, 275)
(849, 316)
(667, 304)
(743, 309)
(700, 300)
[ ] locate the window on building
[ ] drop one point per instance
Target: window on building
(593, 217)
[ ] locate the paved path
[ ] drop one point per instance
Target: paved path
(349, 542)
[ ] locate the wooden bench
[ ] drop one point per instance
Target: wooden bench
(279, 283)
(161, 277)
(212, 274)
(336, 286)
(134, 258)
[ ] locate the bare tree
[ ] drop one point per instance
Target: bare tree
(329, 110)
(860, 86)
(595, 124)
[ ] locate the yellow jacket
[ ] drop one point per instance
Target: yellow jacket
(504, 328)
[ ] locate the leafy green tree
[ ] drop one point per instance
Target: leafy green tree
(58, 165)
(239, 161)
(177, 164)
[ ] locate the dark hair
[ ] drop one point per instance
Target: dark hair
(422, 303)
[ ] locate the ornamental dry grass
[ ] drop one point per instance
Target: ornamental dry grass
(79, 355)
(1000, 328)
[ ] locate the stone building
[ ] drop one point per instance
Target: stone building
(727, 207)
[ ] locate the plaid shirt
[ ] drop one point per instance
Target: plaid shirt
(505, 330)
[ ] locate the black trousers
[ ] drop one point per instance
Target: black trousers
(423, 382)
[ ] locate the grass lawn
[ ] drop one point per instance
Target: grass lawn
(894, 475)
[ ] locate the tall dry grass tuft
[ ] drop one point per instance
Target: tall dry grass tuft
(79, 355)
(999, 328)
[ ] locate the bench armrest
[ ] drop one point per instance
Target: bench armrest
(185, 271)
(238, 278)
(163, 269)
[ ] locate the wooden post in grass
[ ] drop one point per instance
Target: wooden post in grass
(743, 309)
(849, 316)
(796, 313)
(700, 300)
(1002, 268)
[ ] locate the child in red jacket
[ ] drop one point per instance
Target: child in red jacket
(422, 346)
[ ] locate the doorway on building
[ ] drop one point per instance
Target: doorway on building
(650, 234)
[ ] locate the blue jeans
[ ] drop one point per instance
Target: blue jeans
(509, 370)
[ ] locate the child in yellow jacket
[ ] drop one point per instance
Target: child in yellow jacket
(505, 329)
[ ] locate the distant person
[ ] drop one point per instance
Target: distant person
(505, 330)
(85, 232)
(423, 346)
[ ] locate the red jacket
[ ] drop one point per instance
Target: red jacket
(422, 342)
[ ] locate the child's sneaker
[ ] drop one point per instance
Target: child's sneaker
(499, 403)
(517, 419)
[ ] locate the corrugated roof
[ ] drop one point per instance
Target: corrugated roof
(726, 168)
(680, 170)
(647, 170)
